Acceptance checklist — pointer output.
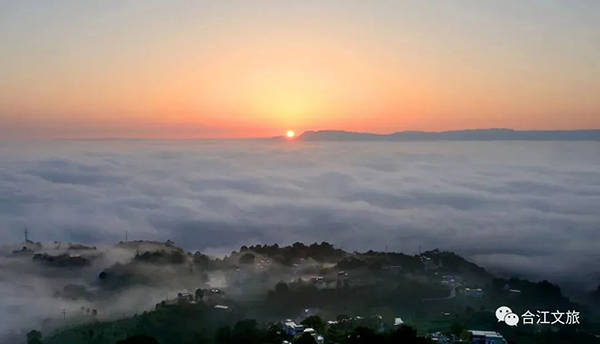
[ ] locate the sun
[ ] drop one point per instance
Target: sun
(290, 134)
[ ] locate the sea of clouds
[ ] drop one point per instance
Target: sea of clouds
(529, 209)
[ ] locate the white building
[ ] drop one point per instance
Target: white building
(291, 328)
(486, 337)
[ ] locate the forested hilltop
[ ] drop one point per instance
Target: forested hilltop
(299, 293)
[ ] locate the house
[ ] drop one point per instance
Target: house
(428, 263)
(448, 280)
(214, 296)
(473, 292)
(185, 296)
(393, 268)
(514, 292)
(317, 278)
(291, 328)
(318, 338)
(486, 337)
(439, 337)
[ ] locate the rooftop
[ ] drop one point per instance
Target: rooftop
(489, 334)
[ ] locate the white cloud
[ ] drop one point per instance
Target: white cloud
(530, 200)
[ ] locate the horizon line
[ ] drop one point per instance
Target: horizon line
(224, 138)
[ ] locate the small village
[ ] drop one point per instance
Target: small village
(335, 279)
(294, 292)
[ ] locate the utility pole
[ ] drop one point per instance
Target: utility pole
(64, 313)
(26, 235)
(126, 235)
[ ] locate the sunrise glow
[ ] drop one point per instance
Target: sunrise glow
(246, 69)
(290, 134)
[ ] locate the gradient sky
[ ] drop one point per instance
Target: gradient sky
(255, 68)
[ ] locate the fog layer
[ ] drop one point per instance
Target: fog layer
(521, 208)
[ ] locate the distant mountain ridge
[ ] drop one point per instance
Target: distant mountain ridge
(455, 135)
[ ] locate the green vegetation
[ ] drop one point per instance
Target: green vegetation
(200, 324)
(344, 297)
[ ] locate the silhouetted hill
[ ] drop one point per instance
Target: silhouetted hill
(457, 135)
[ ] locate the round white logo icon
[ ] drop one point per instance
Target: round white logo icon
(511, 319)
(501, 312)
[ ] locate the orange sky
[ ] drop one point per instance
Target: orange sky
(233, 70)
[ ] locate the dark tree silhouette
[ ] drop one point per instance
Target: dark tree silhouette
(247, 258)
(281, 288)
(34, 337)
(199, 294)
(305, 339)
(138, 339)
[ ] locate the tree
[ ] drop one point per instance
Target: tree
(281, 288)
(275, 334)
(315, 322)
(138, 339)
(247, 258)
(246, 331)
(403, 334)
(223, 335)
(341, 317)
(199, 294)
(457, 328)
(201, 260)
(305, 339)
(34, 337)
(364, 335)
